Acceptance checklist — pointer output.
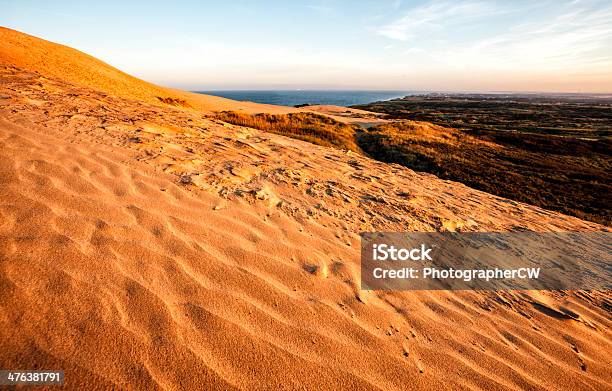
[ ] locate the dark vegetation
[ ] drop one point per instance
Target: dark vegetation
(567, 175)
(551, 152)
(563, 115)
(314, 128)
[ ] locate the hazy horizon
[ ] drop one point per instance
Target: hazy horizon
(430, 46)
(484, 92)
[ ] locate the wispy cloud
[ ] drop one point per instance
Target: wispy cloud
(321, 9)
(511, 36)
(435, 16)
(576, 38)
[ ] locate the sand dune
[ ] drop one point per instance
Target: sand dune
(54, 60)
(145, 246)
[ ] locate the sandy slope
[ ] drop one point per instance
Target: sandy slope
(148, 247)
(54, 60)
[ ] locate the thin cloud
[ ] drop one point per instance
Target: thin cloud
(435, 16)
(576, 38)
(477, 35)
(321, 9)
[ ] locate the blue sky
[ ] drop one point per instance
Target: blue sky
(461, 45)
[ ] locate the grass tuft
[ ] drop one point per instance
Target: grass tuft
(314, 128)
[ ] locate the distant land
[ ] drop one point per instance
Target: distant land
(583, 115)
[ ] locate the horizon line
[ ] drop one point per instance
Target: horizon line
(532, 92)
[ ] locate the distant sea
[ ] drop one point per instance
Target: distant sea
(313, 97)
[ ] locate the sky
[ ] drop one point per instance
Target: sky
(432, 45)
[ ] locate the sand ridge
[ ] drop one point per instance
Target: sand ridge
(59, 61)
(152, 247)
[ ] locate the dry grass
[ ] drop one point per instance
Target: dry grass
(313, 128)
